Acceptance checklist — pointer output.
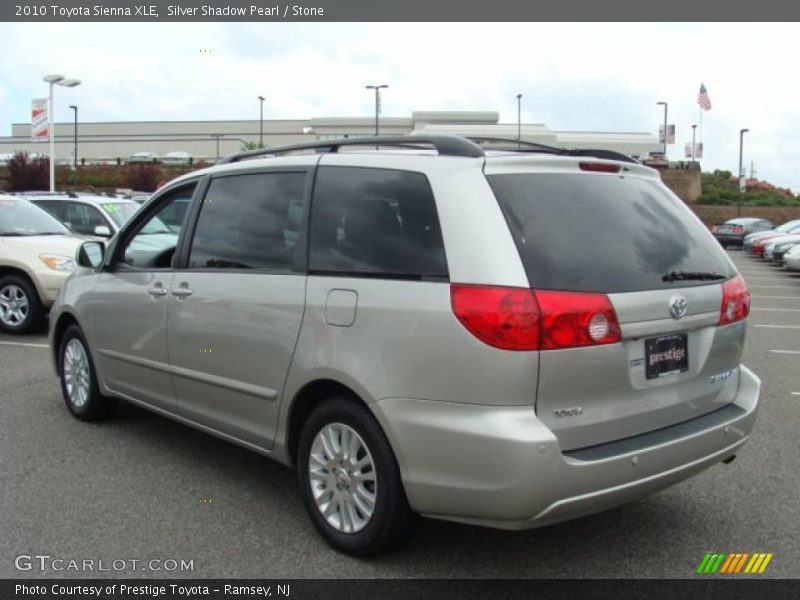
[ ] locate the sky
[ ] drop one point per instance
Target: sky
(573, 77)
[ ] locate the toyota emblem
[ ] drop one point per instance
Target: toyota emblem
(678, 306)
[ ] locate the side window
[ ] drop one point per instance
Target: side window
(83, 218)
(375, 222)
(249, 222)
(153, 244)
(57, 208)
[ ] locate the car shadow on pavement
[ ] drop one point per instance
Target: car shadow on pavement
(438, 548)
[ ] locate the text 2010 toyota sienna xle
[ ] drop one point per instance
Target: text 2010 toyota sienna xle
(435, 327)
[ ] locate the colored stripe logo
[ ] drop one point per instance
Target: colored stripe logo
(722, 563)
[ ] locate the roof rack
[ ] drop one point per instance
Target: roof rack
(445, 145)
(512, 145)
(68, 194)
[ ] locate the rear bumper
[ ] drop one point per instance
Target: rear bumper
(501, 467)
(729, 238)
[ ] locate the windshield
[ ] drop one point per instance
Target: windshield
(20, 217)
(606, 234)
(120, 212)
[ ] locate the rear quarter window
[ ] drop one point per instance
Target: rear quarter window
(375, 223)
(599, 233)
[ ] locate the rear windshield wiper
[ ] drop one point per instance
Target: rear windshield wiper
(692, 276)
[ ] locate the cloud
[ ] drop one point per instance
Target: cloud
(576, 76)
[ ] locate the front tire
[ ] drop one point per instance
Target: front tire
(79, 380)
(350, 481)
(20, 307)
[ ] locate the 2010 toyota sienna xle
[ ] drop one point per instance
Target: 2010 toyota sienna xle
(431, 326)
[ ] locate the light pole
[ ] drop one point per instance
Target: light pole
(75, 132)
(665, 127)
(742, 184)
(694, 130)
(217, 136)
(54, 80)
(519, 120)
(377, 89)
(261, 124)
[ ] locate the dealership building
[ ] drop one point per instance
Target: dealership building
(207, 140)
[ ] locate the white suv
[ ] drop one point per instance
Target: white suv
(36, 256)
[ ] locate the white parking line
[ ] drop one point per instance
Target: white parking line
(777, 309)
(795, 393)
(785, 351)
(778, 297)
(779, 326)
(26, 345)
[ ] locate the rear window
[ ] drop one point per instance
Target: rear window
(603, 233)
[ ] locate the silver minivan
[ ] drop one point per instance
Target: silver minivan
(507, 336)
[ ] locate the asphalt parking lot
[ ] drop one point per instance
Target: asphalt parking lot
(143, 487)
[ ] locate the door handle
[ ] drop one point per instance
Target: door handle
(181, 292)
(157, 291)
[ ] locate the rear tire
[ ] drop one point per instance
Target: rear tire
(350, 481)
(79, 380)
(20, 307)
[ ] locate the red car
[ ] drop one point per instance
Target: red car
(760, 246)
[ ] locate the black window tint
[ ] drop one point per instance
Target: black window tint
(83, 218)
(54, 207)
(604, 234)
(249, 222)
(375, 222)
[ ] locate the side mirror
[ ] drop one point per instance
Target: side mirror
(90, 254)
(102, 230)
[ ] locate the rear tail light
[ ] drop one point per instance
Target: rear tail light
(599, 167)
(735, 301)
(572, 319)
(523, 319)
(503, 317)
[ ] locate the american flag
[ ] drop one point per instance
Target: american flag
(702, 98)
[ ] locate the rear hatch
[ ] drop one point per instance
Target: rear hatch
(623, 235)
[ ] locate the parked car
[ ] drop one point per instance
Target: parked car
(784, 242)
(143, 157)
(177, 158)
(89, 215)
(752, 238)
(791, 260)
(781, 249)
(424, 339)
(732, 232)
(759, 246)
(36, 256)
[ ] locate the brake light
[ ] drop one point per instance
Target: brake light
(599, 167)
(573, 319)
(523, 319)
(503, 317)
(735, 301)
